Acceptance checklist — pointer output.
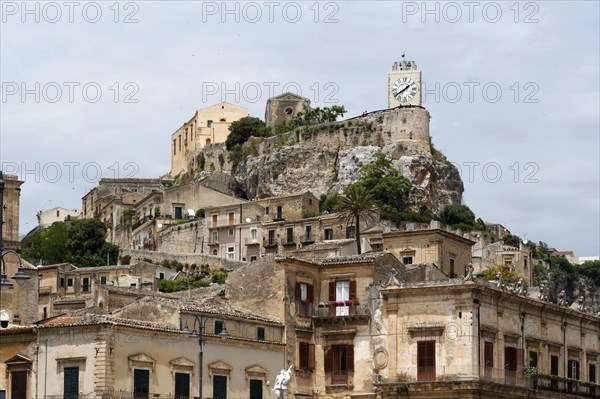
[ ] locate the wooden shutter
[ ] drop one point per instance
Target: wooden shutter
(328, 359)
(19, 385)
(303, 352)
(182, 385)
(297, 292)
(331, 291)
(350, 357)
(488, 354)
(520, 359)
(311, 357)
(310, 293)
(141, 381)
(219, 386)
(353, 290)
(71, 383)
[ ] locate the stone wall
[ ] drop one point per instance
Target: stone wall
(156, 257)
(379, 128)
(184, 238)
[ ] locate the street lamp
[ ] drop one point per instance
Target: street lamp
(201, 322)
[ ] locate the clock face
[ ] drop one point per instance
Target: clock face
(404, 89)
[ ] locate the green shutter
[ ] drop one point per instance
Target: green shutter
(71, 383)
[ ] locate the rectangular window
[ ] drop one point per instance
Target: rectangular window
(141, 383)
(592, 373)
(253, 234)
(182, 385)
(71, 383)
(18, 385)
(62, 281)
(215, 236)
(350, 232)
(219, 387)
(329, 234)
(215, 220)
(488, 358)
(553, 365)
(308, 230)
(290, 235)
(178, 212)
(230, 252)
(426, 361)
(279, 212)
(452, 273)
(407, 260)
(161, 276)
(69, 282)
(510, 364)
(209, 123)
(271, 237)
(304, 295)
(103, 280)
(256, 389)
(231, 217)
(230, 232)
(260, 333)
(306, 356)
(266, 210)
(533, 359)
(218, 326)
(86, 284)
(572, 372)
(252, 258)
(339, 360)
(174, 146)
(342, 294)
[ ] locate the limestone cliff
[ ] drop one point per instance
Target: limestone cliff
(326, 158)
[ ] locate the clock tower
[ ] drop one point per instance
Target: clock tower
(404, 84)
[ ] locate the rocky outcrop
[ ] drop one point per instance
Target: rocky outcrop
(326, 158)
(325, 171)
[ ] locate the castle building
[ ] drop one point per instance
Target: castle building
(209, 125)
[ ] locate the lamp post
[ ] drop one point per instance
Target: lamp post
(201, 323)
(20, 275)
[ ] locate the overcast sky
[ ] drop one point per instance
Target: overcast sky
(96, 89)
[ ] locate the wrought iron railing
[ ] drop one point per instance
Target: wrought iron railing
(339, 309)
(495, 375)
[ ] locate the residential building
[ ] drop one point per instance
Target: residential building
(234, 231)
(57, 214)
(420, 244)
(209, 125)
(107, 189)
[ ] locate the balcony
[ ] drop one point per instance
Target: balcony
(466, 373)
(288, 242)
(251, 241)
(307, 239)
(343, 309)
(567, 385)
(269, 242)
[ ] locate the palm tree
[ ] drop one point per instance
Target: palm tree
(356, 203)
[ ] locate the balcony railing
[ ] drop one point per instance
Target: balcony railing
(288, 241)
(307, 239)
(339, 309)
(494, 375)
(339, 377)
(568, 385)
(114, 394)
(269, 242)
